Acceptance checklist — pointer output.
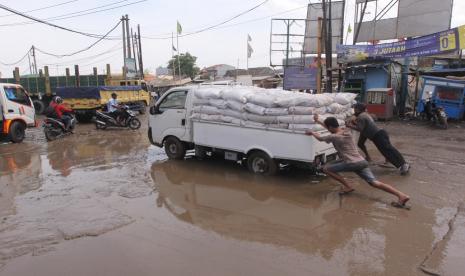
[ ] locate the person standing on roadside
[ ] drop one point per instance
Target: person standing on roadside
(368, 129)
(351, 161)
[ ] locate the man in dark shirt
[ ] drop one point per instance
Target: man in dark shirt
(369, 130)
(351, 160)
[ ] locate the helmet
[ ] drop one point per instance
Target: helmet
(58, 100)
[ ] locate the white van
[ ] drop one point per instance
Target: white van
(16, 112)
(262, 149)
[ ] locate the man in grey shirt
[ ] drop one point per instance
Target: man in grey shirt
(369, 130)
(351, 161)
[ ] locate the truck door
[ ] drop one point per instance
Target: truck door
(18, 105)
(171, 116)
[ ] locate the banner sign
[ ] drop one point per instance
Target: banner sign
(299, 78)
(131, 72)
(434, 44)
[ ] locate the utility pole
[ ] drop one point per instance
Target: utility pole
(128, 37)
(133, 49)
(318, 80)
(329, 51)
(124, 46)
(288, 23)
(141, 64)
(34, 58)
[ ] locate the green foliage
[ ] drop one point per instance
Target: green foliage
(187, 64)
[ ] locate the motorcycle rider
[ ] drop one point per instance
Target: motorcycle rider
(114, 108)
(430, 106)
(61, 111)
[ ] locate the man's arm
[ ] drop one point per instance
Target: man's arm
(316, 118)
(314, 134)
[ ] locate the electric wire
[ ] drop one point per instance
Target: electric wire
(48, 23)
(16, 62)
(82, 50)
(112, 49)
(234, 24)
(78, 13)
(44, 8)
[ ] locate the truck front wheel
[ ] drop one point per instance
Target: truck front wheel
(174, 148)
(17, 132)
(260, 163)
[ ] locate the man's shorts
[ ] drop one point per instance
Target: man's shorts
(360, 168)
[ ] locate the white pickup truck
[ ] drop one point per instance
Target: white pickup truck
(16, 112)
(263, 149)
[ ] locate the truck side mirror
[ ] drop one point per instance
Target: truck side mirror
(154, 110)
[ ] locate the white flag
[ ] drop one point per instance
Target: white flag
(249, 50)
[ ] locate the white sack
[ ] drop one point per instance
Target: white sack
(296, 119)
(208, 93)
(275, 111)
(206, 109)
(253, 108)
(345, 98)
(335, 108)
(228, 119)
(235, 105)
(261, 119)
(232, 113)
(301, 110)
(320, 110)
(251, 124)
(261, 99)
(198, 101)
(235, 94)
(221, 104)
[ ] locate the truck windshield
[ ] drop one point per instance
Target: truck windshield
(175, 100)
(17, 95)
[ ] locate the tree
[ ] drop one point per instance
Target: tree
(187, 64)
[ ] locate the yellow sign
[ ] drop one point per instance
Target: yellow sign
(461, 32)
(447, 42)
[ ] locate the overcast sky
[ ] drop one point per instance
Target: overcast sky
(158, 20)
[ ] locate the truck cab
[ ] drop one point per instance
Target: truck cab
(16, 112)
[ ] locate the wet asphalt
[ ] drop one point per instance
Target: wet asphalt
(109, 203)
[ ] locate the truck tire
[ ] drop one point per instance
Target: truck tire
(39, 106)
(84, 117)
(143, 108)
(259, 162)
(174, 148)
(17, 132)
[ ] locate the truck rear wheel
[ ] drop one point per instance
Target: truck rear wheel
(17, 132)
(174, 148)
(39, 107)
(260, 163)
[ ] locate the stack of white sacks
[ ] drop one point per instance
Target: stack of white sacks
(271, 108)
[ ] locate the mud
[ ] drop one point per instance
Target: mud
(109, 203)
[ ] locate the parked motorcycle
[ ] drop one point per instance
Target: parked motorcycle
(55, 128)
(127, 119)
(435, 114)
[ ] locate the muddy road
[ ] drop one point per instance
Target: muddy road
(109, 203)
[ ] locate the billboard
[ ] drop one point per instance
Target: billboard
(414, 18)
(434, 44)
(131, 72)
(314, 11)
(300, 78)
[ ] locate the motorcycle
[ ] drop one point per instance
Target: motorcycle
(55, 128)
(127, 119)
(435, 114)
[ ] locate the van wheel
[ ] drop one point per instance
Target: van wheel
(174, 148)
(259, 162)
(17, 132)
